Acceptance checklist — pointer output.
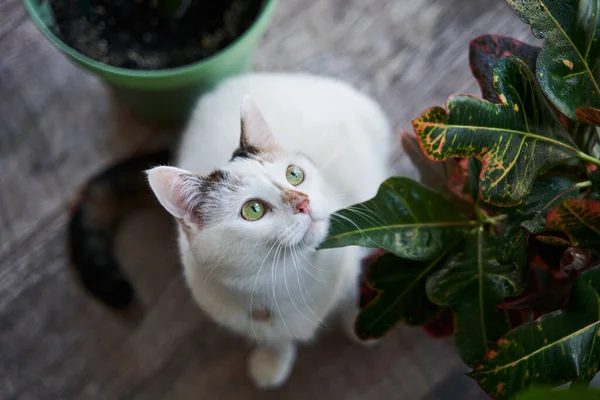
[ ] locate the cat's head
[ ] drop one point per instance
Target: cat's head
(262, 198)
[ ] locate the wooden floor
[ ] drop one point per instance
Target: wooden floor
(58, 125)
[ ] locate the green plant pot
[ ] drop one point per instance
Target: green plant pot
(163, 96)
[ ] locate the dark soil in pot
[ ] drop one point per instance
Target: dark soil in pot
(150, 34)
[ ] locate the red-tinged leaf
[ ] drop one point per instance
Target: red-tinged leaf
(550, 286)
(448, 177)
(557, 348)
(579, 220)
(486, 50)
(442, 325)
(553, 240)
(541, 276)
(588, 115)
(433, 175)
(551, 298)
(458, 179)
(515, 141)
(568, 66)
(367, 293)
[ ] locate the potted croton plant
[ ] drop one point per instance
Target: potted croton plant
(500, 242)
(157, 55)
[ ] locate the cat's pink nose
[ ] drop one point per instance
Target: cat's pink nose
(303, 207)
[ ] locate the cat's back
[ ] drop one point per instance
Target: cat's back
(326, 119)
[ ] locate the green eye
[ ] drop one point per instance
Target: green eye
(294, 175)
(253, 210)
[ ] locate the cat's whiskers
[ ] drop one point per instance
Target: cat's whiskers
(208, 275)
(309, 273)
(274, 280)
(375, 218)
(341, 195)
(294, 253)
(254, 288)
(287, 288)
(366, 238)
(314, 266)
(361, 213)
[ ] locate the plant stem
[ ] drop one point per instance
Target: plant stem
(499, 218)
(484, 218)
(587, 158)
(582, 185)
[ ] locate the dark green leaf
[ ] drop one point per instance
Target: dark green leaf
(595, 178)
(486, 50)
(512, 243)
(401, 297)
(405, 218)
(579, 219)
(554, 349)
(571, 394)
(474, 169)
(472, 282)
(516, 140)
(568, 65)
(546, 193)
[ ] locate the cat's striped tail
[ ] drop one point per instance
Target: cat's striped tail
(105, 201)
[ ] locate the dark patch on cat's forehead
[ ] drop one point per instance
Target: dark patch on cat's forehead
(215, 180)
(216, 177)
(247, 151)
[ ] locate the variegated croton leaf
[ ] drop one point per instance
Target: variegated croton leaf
(516, 140)
(579, 220)
(568, 67)
(556, 348)
(486, 50)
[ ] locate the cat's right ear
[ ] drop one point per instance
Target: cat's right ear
(255, 131)
(178, 192)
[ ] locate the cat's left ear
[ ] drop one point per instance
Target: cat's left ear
(255, 131)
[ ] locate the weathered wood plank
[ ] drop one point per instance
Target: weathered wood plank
(59, 125)
(12, 14)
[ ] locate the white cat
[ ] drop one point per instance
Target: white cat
(249, 224)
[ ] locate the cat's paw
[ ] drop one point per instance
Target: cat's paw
(269, 367)
(350, 334)
(348, 325)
